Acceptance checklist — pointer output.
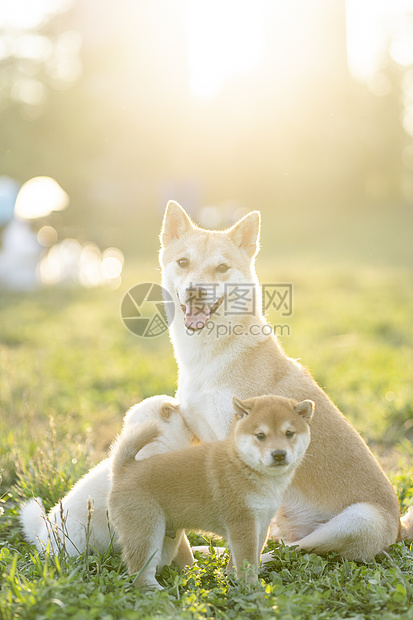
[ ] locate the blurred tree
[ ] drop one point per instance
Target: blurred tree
(100, 100)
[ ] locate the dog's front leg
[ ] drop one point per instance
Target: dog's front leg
(184, 556)
(244, 546)
(263, 536)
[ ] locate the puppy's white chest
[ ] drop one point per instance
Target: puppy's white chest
(264, 505)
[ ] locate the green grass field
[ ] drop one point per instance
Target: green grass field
(69, 370)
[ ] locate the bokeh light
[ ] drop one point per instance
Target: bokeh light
(47, 236)
(39, 197)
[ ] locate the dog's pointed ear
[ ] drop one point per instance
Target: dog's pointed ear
(241, 408)
(305, 409)
(167, 409)
(176, 222)
(245, 234)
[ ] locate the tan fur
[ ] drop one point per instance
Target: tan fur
(128, 445)
(406, 523)
(340, 499)
(231, 487)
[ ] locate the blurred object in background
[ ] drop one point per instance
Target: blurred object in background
(19, 257)
(70, 262)
(303, 110)
(25, 264)
(9, 188)
(39, 197)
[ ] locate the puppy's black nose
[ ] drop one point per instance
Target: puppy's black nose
(279, 455)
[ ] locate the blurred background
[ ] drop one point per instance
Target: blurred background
(303, 110)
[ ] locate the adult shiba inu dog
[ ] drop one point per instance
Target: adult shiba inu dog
(340, 499)
(82, 513)
(231, 487)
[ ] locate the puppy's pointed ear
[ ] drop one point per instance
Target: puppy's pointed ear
(175, 223)
(240, 408)
(167, 409)
(245, 234)
(305, 409)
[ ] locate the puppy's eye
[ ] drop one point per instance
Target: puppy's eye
(260, 436)
(222, 268)
(183, 263)
(289, 434)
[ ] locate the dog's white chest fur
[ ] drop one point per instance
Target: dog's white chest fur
(208, 380)
(206, 407)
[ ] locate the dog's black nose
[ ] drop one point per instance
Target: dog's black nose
(279, 455)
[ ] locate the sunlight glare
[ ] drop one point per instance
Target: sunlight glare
(35, 46)
(401, 47)
(26, 14)
(373, 27)
(366, 29)
(226, 38)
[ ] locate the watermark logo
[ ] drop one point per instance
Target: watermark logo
(278, 297)
(240, 299)
(146, 310)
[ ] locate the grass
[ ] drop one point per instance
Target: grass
(69, 371)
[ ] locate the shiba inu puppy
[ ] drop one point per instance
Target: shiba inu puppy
(82, 512)
(231, 487)
(340, 499)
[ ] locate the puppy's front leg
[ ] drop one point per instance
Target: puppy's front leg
(243, 544)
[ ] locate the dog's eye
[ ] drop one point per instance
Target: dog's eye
(183, 263)
(289, 434)
(260, 436)
(222, 268)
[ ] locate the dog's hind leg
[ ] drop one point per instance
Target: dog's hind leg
(359, 532)
(143, 552)
(176, 548)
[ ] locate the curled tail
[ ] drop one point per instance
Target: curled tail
(406, 522)
(32, 519)
(130, 442)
